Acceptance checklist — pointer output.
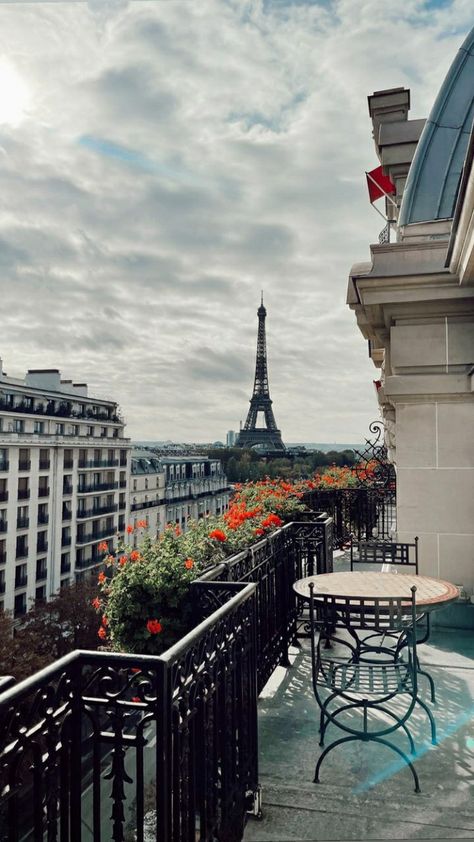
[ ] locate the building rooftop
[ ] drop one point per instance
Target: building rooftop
(435, 172)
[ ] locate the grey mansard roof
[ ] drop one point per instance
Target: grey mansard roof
(434, 175)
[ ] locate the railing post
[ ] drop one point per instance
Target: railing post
(163, 753)
(75, 777)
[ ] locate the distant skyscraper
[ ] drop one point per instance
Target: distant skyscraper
(267, 437)
(230, 438)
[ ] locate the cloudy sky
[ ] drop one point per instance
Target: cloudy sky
(161, 162)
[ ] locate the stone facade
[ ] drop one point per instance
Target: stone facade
(414, 302)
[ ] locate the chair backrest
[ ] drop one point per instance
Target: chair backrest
(355, 613)
(394, 553)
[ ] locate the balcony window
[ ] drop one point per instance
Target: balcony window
(44, 460)
(24, 461)
(3, 520)
(68, 459)
(67, 511)
(40, 593)
(67, 484)
(41, 569)
(21, 577)
(66, 536)
(65, 562)
(4, 464)
(23, 488)
(42, 542)
(20, 605)
(22, 519)
(43, 487)
(43, 516)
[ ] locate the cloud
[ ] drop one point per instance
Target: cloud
(175, 159)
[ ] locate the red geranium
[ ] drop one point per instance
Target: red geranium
(218, 535)
(154, 626)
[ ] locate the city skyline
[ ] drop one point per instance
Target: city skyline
(157, 177)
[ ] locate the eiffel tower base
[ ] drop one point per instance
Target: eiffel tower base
(268, 440)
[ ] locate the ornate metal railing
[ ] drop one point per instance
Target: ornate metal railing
(103, 745)
(362, 512)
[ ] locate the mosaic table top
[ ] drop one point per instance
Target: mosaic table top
(430, 593)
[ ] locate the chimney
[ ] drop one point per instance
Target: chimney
(395, 137)
(44, 378)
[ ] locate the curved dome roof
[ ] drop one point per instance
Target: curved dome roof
(433, 179)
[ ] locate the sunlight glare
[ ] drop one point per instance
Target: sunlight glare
(13, 95)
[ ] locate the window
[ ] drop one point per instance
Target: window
(66, 536)
(20, 605)
(23, 488)
(24, 463)
(42, 542)
(38, 426)
(22, 519)
(44, 463)
(146, 483)
(90, 431)
(43, 487)
(41, 569)
(2, 581)
(3, 459)
(68, 459)
(103, 432)
(41, 593)
(134, 484)
(67, 509)
(3, 551)
(74, 429)
(43, 513)
(67, 483)
(59, 429)
(18, 426)
(65, 562)
(65, 582)
(20, 576)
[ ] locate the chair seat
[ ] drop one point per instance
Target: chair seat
(366, 679)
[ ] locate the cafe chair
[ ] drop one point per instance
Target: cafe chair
(393, 557)
(351, 693)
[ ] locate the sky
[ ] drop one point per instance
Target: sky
(162, 162)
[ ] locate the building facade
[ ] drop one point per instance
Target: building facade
(195, 486)
(64, 466)
(414, 303)
(147, 493)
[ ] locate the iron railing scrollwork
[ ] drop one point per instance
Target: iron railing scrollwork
(373, 466)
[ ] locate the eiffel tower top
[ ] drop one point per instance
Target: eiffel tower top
(267, 437)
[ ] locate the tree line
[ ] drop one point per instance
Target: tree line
(245, 465)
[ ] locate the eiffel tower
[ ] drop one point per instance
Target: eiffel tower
(268, 437)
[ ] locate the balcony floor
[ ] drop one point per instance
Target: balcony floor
(364, 793)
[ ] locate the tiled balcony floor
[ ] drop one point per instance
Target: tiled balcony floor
(365, 793)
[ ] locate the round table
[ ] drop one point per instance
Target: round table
(430, 593)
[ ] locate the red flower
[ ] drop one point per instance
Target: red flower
(218, 535)
(136, 699)
(259, 531)
(102, 633)
(272, 520)
(135, 669)
(105, 621)
(129, 529)
(123, 560)
(96, 603)
(142, 524)
(177, 531)
(135, 555)
(189, 564)
(102, 577)
(103, 547)
(154, 626)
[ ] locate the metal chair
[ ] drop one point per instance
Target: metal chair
(355, 686)
(394, 557)
(393, 553)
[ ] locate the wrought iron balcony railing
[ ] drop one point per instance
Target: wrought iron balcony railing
(103, 728)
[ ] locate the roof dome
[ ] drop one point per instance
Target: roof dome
(432, 183)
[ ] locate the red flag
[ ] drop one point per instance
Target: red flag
(379, 184)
